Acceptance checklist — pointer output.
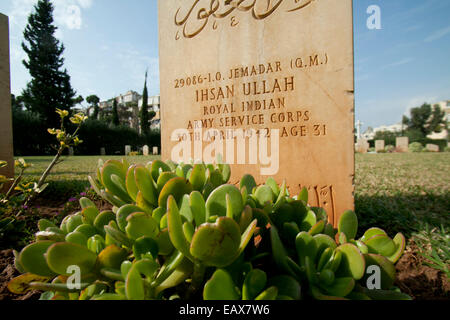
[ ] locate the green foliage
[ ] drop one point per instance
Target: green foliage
(181, 230)
(425, 120)
(415, 147)
(447, 149)
(434, 247)
(49, 87)
(388, 137)
(389, 148)
(115, 114)
(94, 100)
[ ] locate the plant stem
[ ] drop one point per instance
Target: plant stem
(45, 175)
(15, 183)
(197, 278)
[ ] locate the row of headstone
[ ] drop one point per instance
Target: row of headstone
(432, 147)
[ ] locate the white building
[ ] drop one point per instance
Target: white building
(134, 97)
(399, 127)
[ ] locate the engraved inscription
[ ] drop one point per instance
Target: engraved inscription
(195, 20)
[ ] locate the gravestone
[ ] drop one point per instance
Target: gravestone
(379, 145)
(402, 144)
(127, 150)
(6, 137)
(362, 146)
(155, 151)
(432, 147)
(266, 84)
(102, 151)
(145, 151)
(71, 152)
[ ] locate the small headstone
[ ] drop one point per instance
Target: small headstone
(155, 151)
(402, 144)
(145, 151)
(379, 145)
(362, 146)
(432, 147)
(102, 151)
(71, 152)
(6, 137)
(246, 71)
(127, 150)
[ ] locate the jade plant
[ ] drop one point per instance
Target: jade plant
(181, 231)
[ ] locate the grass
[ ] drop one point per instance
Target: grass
(70, 177)
(403, 192)
(397, 192)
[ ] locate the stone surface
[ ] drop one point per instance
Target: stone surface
(155, 151)
(102, 151)
(6, 137)
(71, 151)
(379, 145)
(432, 147)
(263, 65)
(145, 151)
(362, 146)
(402, 144)
(127, 150)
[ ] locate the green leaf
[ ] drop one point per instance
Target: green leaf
(264, 195)
(254, 283)
(287, 286)
(353, 263)
(248, 182)
(141, 224)
(220, 287)
(382, 245)
(145, 245)
(216, 204)
(348, 224)
(198, 208)
(176, 228)
(32, 259)
(198, 177)
(217, 244)
(134, 285)
(123, 214)
(269, 294)
(177, 188)
(144, 182)
(60, 256)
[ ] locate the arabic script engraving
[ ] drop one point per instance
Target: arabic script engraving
(195, 20)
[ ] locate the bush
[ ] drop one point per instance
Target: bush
(31, 137)
(415, 147)
(447, 149)
(193, 236)
(389, 148)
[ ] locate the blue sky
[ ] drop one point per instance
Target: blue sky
(110, 43)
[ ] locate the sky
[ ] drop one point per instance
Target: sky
(110, 43)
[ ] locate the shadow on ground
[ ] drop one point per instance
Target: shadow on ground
(404, 213)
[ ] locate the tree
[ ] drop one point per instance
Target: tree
(425, 120)
(50, 86)
(145, 120)
(115, 114)
(93, 100)
(389, 137)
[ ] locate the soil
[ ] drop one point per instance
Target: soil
(418, 280)
(8, 273)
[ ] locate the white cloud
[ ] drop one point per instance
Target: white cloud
(438, 34)
(67, 13)
(399, 63)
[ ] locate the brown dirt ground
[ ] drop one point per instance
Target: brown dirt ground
(418, 280)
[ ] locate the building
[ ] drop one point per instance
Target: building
(443, 135)
(370, 133)
(134, 101)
